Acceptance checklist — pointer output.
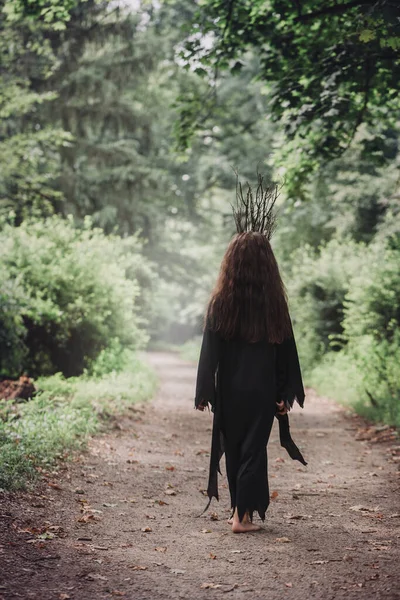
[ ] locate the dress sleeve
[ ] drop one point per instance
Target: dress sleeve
(288, 373)
(207, 368)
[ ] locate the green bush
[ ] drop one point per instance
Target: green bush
(317, 284)
(78, 290)
(366, 371)
(12, 331)
(35, 434)
(372, 327)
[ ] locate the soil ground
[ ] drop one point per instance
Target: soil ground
(121, 520)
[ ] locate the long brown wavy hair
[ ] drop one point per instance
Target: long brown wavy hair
(249, 299)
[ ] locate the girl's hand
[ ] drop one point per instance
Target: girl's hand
(281, 408)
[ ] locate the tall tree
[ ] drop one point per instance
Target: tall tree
(328, 66)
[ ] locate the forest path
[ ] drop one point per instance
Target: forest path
(146, 542)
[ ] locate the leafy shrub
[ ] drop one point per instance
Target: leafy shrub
(12, 331)
(317, 283)
(78, 291)
(372, 327)
(35, 434)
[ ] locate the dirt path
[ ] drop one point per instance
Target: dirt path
(124, 519)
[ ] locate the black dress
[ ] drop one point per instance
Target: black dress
(242, 382)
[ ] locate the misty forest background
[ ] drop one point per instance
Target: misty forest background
(121, 124)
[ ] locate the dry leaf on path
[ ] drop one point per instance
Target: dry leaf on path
(214, 516)
(160, 548)
(282, 540)
(147, 529)
(274, 495)
(54, 486)
(360, 508)
(289, 584)
(213, 556)
(206, 531)
(170, 492)
(139, 568)
(96, 576)
(64, 597)
(210, 586)
(86, 518)
(177, 571)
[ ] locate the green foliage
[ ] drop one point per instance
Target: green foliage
(79, 292)
(373, 302)
(33, 435)
(317, 283)
(365, 372)
(55, 12)
(327, 68)
(12, 331)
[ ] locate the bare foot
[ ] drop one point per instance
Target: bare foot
(244, 527)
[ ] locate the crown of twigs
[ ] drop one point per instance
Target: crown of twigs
(255, 210)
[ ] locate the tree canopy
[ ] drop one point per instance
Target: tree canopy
(328, 67)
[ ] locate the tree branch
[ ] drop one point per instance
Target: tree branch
(332, 10)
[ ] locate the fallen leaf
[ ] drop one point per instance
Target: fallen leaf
(177, 571)
(161, 548)
(86, 518)
(95, 576)
(170, 492)
(107, 505)
(213, 556)
(236, 551)
(161, 502)
(54, 486)
(206, 531)
(282, 540)
(360, 508)
(64, 597)
(214, 516)
(170, 468)
(274, 495)
(139, 568)
(289, 585)
(210, 586)
(147, 529)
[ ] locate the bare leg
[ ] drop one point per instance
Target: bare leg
(244, 526)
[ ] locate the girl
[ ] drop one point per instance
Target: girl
(248, 369)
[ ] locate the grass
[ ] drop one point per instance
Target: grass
(339, 377)
(61, 417)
